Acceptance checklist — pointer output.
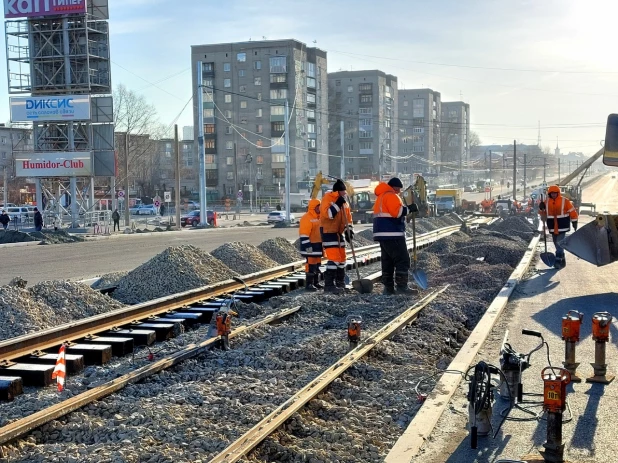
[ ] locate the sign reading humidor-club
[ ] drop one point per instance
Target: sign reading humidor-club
(55, 164)
(31, 8)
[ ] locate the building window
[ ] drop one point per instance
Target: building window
(405, 140)
(365, 134)
(418, 121)
(366, 98)
(405, 113)
(310, 127)
(365, 122)
(228, 114)
(209, 158)
(230, 176)
(228, 130)
(243, 104)
(259, 128)
(228, 98)
(207, 82)
(242, 88)
(278, 94)
(229, 145)
(387, 123)
(259, 96)
(241, 57)
(209, 143)
(365, 87)
(257, 65)
(208, 128)
(278, 158)
(241, 73)
(365, 145)
(257, 81)
(310, 82)
(209, 113)
(365, 111)
(278, 78)
(207, 67)
(350, 147)
(310, 98)
(311, 69)
(350, 88)
(311, 143)
(277, 145)
(278, 64)
(418, 130)
(350, 135)
(227, 83)
(338, 83)
(311, 113)
(277, 110)
(405, 103)
(243, 120)
(227, 67)
(404, 121)
(259, 159)
(258, 113)
(418, 107)
(278, 126)
(350, 100)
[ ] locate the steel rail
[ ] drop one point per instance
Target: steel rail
(17, 347)
(24, 425)
(270, 423)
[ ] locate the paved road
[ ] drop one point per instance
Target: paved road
(539, 304)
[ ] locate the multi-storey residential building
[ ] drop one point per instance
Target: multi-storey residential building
(418, 124)
(455, 133)
(187, 133)
(246, 85)
(14, 140)
(366, 101)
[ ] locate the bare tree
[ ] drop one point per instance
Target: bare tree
(138, 129)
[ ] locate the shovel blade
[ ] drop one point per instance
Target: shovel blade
(548, 258)
(346, 280)
(363, 286)
(420, 278)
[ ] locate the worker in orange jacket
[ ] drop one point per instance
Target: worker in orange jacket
(311, 244)
(336, 228)
(389, 229)
(559, 213)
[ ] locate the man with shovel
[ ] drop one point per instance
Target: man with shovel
(389, 229)
(335, 221)
(559, 213)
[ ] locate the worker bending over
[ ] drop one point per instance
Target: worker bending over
(389, 229)
(559, 213)
(311, 244)
(335, 221)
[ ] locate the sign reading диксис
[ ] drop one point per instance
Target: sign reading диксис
(55, 164)
(29, 8)
(50, 108)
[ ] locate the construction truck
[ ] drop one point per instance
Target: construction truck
(448, 200)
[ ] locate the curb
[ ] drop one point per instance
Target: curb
(424, 422)
(14, 245)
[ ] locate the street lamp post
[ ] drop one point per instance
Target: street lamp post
(249, 160)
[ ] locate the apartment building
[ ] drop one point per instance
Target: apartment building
(366, 102)
(418, 130)
(246, 85)
(455, 133)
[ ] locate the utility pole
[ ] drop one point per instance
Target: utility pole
(288, 171)
(559, 170)
(515, 169)
(342, 130)
(490, 182)
(177, 195)
(127, 214)
(525, 179)
(5, 191)
(201, 153)
(544, 168)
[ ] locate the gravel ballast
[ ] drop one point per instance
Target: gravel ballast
(243, 258)
(175, 270)
(280, 250)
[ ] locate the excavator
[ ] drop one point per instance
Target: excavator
(417, 194)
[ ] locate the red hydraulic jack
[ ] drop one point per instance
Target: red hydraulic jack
(554, 403)
(601, 321)
(354, 330)
(224, 326)
(571, 324)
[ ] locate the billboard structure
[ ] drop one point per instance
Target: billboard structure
(58, 52)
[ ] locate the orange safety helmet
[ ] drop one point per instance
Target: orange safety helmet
(553, 189)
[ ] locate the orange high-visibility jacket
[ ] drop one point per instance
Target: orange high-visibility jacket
(389, 214)
(309, 231)
(559, 212)
(332, 220)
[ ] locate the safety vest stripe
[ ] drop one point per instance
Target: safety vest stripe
(389, 234)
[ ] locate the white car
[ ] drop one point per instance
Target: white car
(147, 210)
(280, 216)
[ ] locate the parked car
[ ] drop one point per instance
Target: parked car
(133, 210)
(193, 218)
(149, 209)
(280, 216)
(470, 189)
(18, 214)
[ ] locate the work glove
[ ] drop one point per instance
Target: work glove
(412, 208)
(340, 201)
(574, 225)
(349, 235)
(309, 250)
(542, 206)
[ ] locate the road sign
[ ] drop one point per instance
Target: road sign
(121, 194)
(157, 203)
(168, 196)
(487, 189)
(239, 194)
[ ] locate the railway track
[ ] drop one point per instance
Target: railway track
(29, 360)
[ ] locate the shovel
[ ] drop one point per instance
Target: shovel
(548, 258)
(419, 276)
(363, 286)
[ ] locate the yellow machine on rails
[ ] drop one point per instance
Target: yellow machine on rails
(597, 241)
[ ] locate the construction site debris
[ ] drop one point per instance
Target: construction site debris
(175, 270)
(56, 237)
(109, 280)
(243, 258)
(14, 236)
(280, 250)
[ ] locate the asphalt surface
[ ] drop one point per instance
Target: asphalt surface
(539, 304)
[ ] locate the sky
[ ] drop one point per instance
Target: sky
(515, 62)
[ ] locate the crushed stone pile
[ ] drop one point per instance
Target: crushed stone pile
(56, 237)
(14, 236)
(366, 234)
(508, 252)
(175, 270)
(73, 300)
(21, 314)
(108, 280)
(360, 240)
(428, 261)
(243, 258)
(514, 226)
(280, 250)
